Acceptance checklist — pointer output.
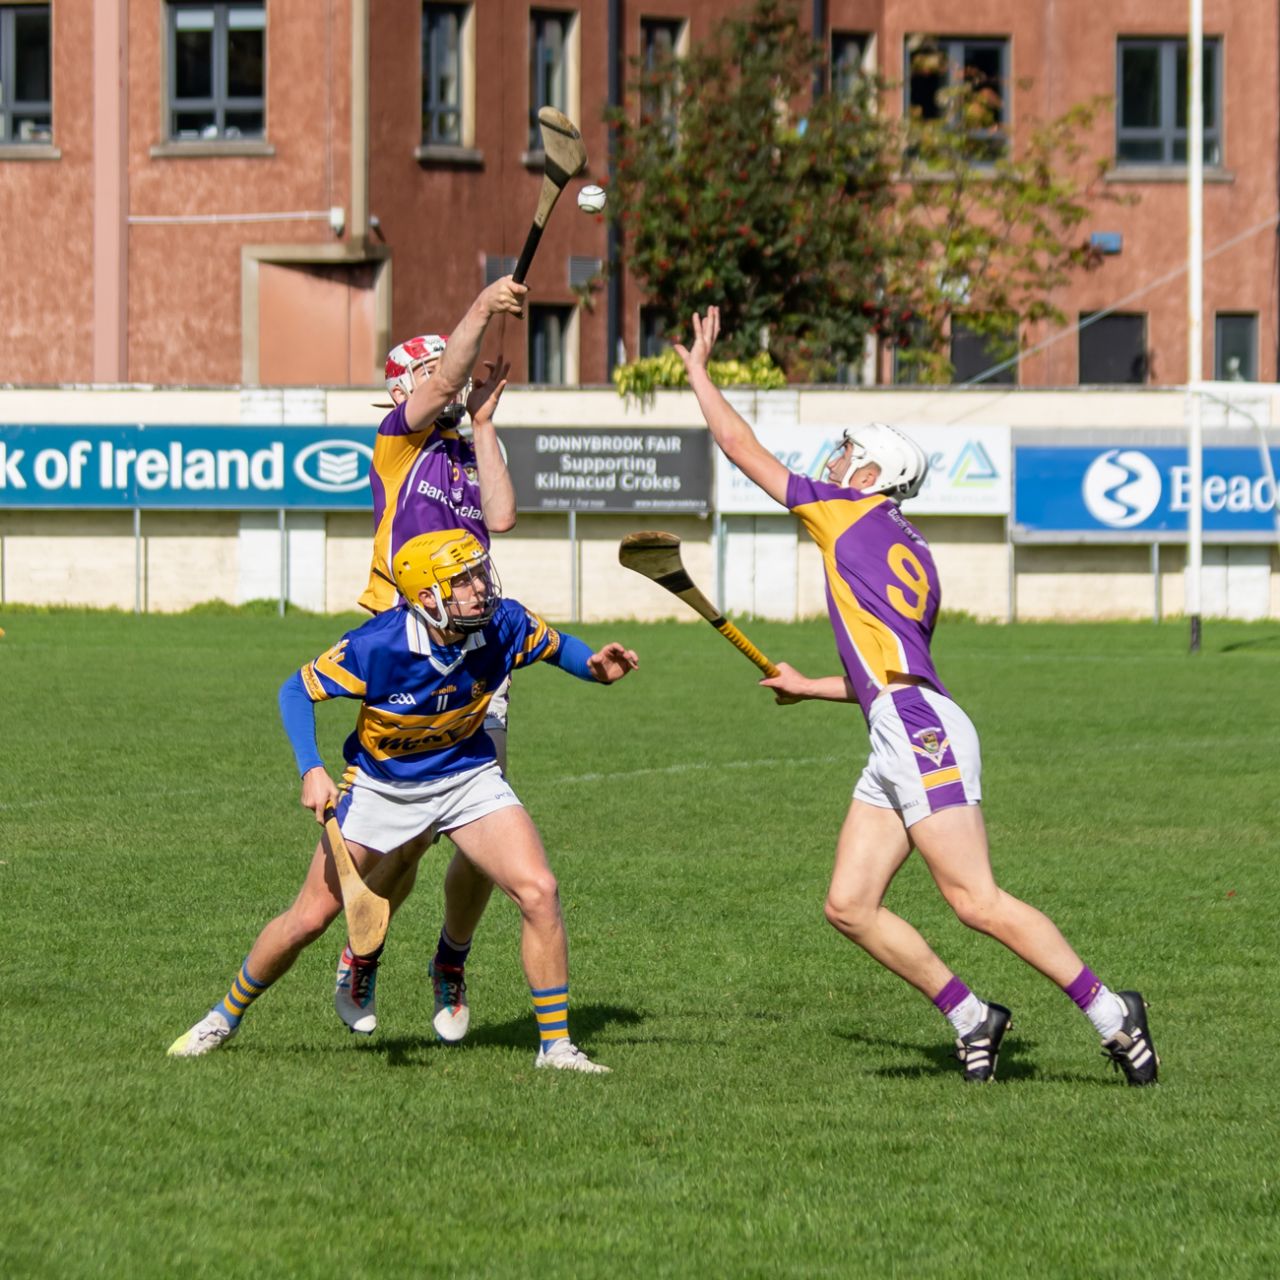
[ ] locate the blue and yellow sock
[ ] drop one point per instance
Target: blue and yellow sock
(551, 1008)
(244, 991)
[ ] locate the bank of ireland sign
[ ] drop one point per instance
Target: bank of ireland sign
(228, 468)
(1133, 490)
(969, 467)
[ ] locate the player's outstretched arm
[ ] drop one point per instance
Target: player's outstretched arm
(612, 662)
(793, 686)
(497, 493)
(731, 432)
(503, 297)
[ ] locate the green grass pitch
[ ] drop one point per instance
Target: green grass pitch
(779, 1105)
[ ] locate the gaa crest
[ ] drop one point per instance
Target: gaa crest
(930, 744)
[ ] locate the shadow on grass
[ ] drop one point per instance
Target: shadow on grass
(940, 1059)
(585, 1021)
(1262, 642)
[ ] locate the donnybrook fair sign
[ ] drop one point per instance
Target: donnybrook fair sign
(607, 469)
(228, 468)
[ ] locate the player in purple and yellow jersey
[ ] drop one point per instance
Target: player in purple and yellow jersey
(419, 762)
(431, 472)
(921, 786)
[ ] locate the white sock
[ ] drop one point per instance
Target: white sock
(1107, 1013)
(968, 1015)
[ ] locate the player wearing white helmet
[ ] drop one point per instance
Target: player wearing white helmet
(921, 786)
(431, 473)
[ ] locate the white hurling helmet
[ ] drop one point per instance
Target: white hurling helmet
(903, 463)
(411, 353)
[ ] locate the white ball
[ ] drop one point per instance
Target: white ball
(591, 199)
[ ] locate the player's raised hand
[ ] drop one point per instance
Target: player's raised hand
(706, 329)
(612, 662)
(318, 791)
(504, 297)
(484, 397)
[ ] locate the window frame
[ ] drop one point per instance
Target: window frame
(220, 101)
(853, 70)
(466, 74)
(679, 30)
(567, 313)
(961, 332)
(954, 47)
(14, 106)
(1085, 322)
(1167, 132)
(1218, 318)
(567, 97)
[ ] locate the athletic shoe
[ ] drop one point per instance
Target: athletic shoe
(1130, 1049)
(980, 1049)
(564, 1055)
(354, 994)
(210, 1033)
(452, 1017)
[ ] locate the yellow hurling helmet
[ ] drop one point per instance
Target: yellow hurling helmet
(440, 563)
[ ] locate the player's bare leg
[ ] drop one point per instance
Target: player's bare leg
(505, 846)
(273, 953)
(953, 843)
(872, 846)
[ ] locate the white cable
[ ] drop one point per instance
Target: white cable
(305, 215)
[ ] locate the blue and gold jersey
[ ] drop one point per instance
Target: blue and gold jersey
(423, 704)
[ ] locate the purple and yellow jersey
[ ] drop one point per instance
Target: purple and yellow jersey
(422, 481)
(422, 706)
(882, 586)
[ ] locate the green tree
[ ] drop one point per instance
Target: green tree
(816, 223)
(746, 202)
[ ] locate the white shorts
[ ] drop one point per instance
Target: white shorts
(495, 715)
(924, 755)
(383, 815)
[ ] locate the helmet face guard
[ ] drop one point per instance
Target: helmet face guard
(455, 572)
(903, 463)
(411, 357)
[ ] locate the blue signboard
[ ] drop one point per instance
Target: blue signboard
(232, 468)
(1135, 490)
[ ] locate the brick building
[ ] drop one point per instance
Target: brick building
(266, 192)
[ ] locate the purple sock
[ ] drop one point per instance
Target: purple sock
(1085, 988)
(951, 995)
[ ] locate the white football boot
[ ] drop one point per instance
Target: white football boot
(564, 1055)
(210, 1033)
(354, 994)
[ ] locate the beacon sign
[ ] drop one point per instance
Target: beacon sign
(1135, 490)
(231, 468)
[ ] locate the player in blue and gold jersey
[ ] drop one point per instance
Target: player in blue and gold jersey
(921, 786)
(419, 762)
(432, 472)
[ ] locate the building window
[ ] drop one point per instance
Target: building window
(974, 353)
(659, 48)
(549, 344)
(653, 333)
(217, 71)
(848, 63)
(1235, 347)
(1113, 349)
(1151, 102)
(548, 67)
(443, 72)
(26, 100)
(938, 65)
